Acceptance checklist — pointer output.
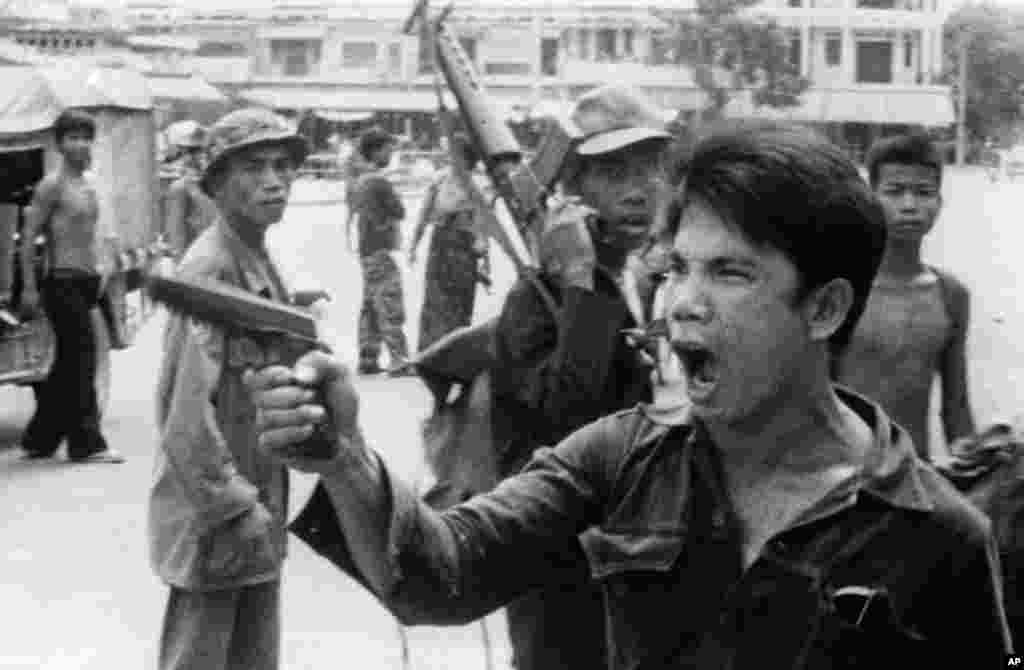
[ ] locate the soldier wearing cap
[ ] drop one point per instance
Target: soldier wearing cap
(189, 210)
(552, 378)
(217, 508)
(380, 210)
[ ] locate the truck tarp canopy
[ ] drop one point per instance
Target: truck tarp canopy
(33, 96)
(124, 152)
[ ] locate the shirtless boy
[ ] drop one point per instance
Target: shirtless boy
(66, 209)
(915, 325)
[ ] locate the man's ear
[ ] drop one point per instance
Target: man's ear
(825, 309)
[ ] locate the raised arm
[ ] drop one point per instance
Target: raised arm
(432, 567)
(957, 418)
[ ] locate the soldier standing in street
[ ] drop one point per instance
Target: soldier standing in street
(218, 507)
(189, 210)
(380, 211)
(65, 208)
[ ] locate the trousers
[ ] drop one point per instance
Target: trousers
(229, 629)
(382, 315)
(66, 404)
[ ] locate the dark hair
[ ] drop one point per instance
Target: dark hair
(785, 187)
(914, 148)
(373, 139)
(73, 120)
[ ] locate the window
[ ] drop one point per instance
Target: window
(627, 43)
(796, 3)
(795, 51)
(908, 50)
(583, 43)
(296, 58)
(549, 51)
(605, 44)
(358, 55)
(874, 62)
(395, 58)
(833, 50)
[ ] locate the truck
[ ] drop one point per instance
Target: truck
(130, 227)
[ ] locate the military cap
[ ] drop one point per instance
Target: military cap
(245, 128)
(614, 116)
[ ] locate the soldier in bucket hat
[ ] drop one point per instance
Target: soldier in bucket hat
(217, 508)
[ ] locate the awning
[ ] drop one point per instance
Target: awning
(343, 117)
(163, 42)
(923, 105)
(190, 87)
(342, 100)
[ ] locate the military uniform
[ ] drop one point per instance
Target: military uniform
(223, 608)
(382, 315)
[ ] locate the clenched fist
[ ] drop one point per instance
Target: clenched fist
(314, 401)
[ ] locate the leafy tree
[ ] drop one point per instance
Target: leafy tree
(729, 49)
(994, 38)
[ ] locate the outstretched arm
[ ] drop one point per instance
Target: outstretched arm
(428, 567)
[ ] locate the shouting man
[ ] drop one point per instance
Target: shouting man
(773, 521)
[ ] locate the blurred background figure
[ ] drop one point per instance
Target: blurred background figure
(189, 211)
(457, 257)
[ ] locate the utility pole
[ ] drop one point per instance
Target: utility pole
(961, 116)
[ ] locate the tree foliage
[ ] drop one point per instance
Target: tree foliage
(730, 49)
(994, 39)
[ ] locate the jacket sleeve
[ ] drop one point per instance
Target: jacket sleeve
(451, 567)
(561, 377)
(190, 437)
(977, 635)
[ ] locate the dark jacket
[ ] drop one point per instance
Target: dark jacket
(893, 570)
(380, 213)
(546, 386)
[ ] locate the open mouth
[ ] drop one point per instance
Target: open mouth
(700, 365)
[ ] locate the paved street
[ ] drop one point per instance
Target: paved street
(76, 587)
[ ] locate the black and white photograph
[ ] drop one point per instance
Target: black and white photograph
(511, 334)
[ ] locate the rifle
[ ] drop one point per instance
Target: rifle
(520, 188)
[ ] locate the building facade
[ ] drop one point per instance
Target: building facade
(872, 64)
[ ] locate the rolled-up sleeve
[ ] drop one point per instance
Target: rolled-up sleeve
(451, 567)
(190, 438)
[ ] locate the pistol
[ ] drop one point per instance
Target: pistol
(277, 334)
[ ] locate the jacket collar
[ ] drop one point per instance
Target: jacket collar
(258, 272)
(890, 472)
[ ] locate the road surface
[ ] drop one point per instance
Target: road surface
(76, 587)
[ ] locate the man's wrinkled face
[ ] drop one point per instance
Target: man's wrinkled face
(76, 147)
(733, 318)
(623, 186)
(911, 198)
(256, 185)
